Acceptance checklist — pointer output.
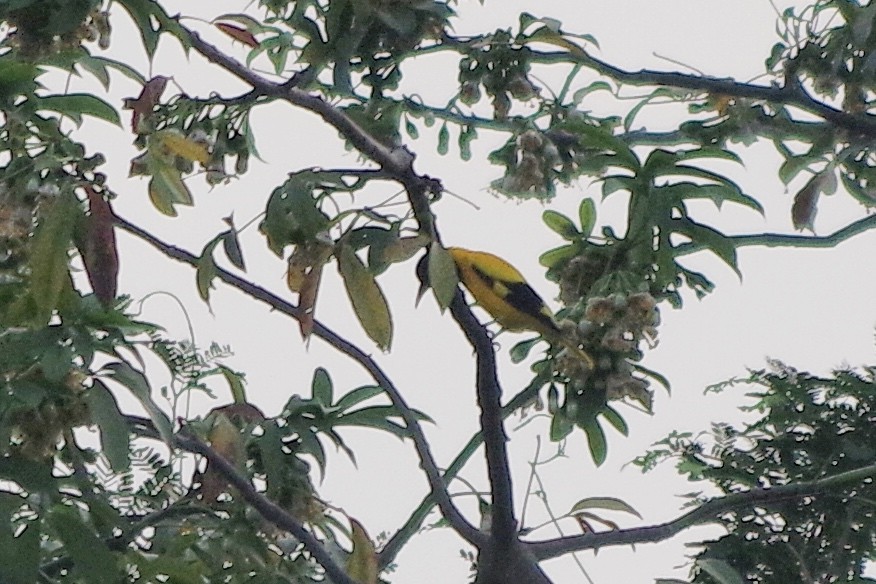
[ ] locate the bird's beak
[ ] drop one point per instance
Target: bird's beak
(420, 293)
(422, 272)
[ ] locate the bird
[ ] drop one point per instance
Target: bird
(501, 290)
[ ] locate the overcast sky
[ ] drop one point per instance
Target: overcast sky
(812, 308)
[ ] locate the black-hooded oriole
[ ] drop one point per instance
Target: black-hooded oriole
(500, 289)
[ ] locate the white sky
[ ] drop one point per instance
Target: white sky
(812, 308)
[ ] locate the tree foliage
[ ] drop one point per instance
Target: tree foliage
(808, 429)
(229, 495)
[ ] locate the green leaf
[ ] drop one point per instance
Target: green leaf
(521, 350)
(866, 195)
(49, 260)
(587, 216)
(443, 139)
(16, 78)
(717, 193)
(206, 269)
(357, 396)
(661, 379)
(292, 215)
(466, 137)
(76, 105)
(321, 387)
(707, 152)
(558, 255)
(721, 571)
(793, 165)
(367, 299)
(613, 184)
(19, 548)
(561, 224)
(311, 445)
(167, 178)
(274, 460)
(248, 22)
(114, 433)
(657, 93)
(138, 384)
(580, 94)
(411, 129)
(616, 420)
(92, 561)
(609, 503)
(161, 198)
(140, 11)
(98, 66)
(376, 417)
(710, 238)
(561, 426)
(33, 476)
(598, 137)
(235, 383)
(442, 275)
(595, 440)
(231, 245)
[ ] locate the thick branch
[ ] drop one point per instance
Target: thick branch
(705, 513)
(427, 462)
(395, 543)
(503, 526)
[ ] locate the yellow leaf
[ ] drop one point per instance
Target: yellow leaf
(303, 274)
(362, 564)
(176, 143)
(368, 300)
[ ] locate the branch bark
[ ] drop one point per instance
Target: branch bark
(705, 513)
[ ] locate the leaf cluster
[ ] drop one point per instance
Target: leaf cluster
(807, 428)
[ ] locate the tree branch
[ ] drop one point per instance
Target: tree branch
(705, 513)
(789, 240)
(396, 161)
(427, 462)
(395, 543)
(269, 510)
(503, 527)
(856, 124)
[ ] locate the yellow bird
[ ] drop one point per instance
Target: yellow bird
(500, 289)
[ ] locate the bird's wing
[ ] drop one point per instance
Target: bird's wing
(520, 296)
